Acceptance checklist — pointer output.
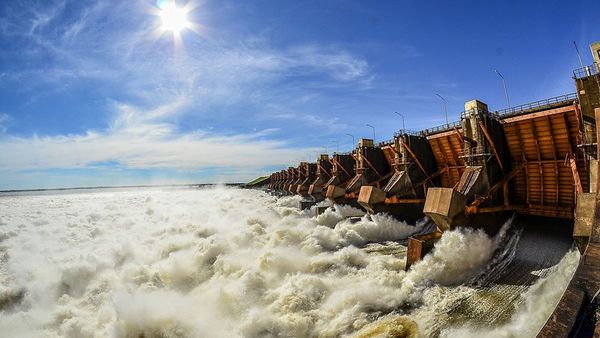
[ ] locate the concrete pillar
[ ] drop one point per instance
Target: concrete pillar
(469, 122)
(597, 115)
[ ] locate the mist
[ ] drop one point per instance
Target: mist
(228, 262)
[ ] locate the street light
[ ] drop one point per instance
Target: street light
(353, 144)
(578, 55)
(337, 146)
(368, 125)
(402, 116)
(445, 107)
(504, 85)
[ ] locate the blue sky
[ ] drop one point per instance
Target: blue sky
(92, 94)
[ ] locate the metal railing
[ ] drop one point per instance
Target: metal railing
(440, 128)
(534, 105)
(385, 143)
(408, 132)
(479, 150)
(464, 113)
(586, 71)
(504, 112)
(497, 114)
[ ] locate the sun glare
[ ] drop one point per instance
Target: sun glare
(173, 18)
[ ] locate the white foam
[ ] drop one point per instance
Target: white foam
(539, 302)
(219, 262)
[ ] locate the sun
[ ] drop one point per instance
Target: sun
(173, 19)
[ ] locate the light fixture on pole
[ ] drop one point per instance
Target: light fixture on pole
(578, 55)
(445, 107)
(353, 144)
(368, 125)
(504, 85)
(402, 116)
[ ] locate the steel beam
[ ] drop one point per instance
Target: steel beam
(531, 116)
(491, 144)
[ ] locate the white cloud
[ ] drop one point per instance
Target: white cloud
(141, 139)
(153, 149)
(114, 46)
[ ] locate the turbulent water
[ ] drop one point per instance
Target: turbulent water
(226, 262)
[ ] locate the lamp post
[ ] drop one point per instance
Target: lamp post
(368, 125)
(578, 55)
(402, 116)
(445, 107)
(353, 144)
(504, 85)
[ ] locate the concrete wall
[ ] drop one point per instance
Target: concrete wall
(595, 47)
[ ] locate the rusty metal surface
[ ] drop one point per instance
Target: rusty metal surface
(443, 205)
(576, 313)
(446, 149)
(419, 246)
(541, 141)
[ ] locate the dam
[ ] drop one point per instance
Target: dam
(536, 161)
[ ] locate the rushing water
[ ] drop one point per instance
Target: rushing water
(226, 262)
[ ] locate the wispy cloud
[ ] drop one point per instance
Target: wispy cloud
(142, 139)
(4, 120)
(131, 58)
(156, 148)
(150, 89)
(330, 124)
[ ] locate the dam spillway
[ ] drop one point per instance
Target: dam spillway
(537, 162)
(537, 159)
(531, 161)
